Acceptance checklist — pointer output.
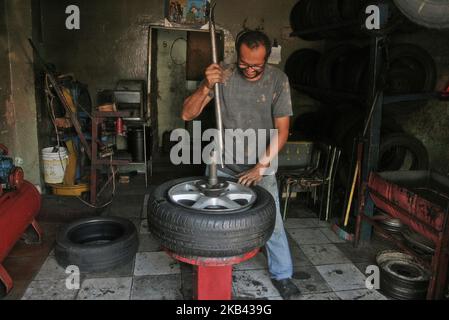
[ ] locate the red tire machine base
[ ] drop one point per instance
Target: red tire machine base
(213, 280)
(18, 210)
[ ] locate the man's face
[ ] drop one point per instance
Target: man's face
(252, 62)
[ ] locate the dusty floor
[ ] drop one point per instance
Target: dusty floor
(326, 267)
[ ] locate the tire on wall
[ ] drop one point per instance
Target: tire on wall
(97, 244)
(429, 13)
(205, 234)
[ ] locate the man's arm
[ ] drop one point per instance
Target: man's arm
(194, 105)
(255, 175)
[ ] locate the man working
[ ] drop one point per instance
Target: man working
(255, 96)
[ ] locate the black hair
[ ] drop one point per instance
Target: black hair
(253, 39)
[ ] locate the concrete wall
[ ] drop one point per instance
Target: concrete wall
(18, 117)
(113, 41)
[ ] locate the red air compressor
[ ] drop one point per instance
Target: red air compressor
(20, 202)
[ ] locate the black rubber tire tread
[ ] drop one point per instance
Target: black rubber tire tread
(428, 68)
(97, 257)
(432, 14)
(328, 64)
(198, 233)
(411, 143)
(301, 67)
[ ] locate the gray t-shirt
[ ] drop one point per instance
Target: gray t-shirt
(253, 105)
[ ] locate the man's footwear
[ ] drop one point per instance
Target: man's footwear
(286, 288)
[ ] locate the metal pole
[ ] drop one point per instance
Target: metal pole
(217, 91)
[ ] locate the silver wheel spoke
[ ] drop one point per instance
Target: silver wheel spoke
(234, 197)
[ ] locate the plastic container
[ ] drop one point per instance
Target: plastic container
(55, 164)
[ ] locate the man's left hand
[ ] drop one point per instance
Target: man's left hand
(252, 176)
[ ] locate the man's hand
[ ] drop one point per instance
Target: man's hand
(214, 74)
(252, 176)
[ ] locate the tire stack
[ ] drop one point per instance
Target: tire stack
(309, 15)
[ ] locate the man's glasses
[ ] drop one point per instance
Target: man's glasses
(257, 68)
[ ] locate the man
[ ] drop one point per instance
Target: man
(254, 96)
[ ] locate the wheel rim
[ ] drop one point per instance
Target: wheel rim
(233, 198)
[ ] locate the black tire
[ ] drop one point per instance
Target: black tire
(328, 65)
(200, 233)
(393, 142)
(301, 67)
(97, 244)
(429, 13)
(411, 70)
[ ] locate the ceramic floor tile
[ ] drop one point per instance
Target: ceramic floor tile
(155, 263)
(319, 296)
(308, 236)
(144, 227)
(126, 270)
(49, 290)
(331, 235)
(360, 295)
(145, 206)
(147, 243)
(304, 223)
(253, 284)
(259, 262)
(106, 289)
(324, 254)
(342, 277)
(167, 287)
(309, 281)
(50, 270)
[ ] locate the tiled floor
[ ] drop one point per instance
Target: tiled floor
(326, 268)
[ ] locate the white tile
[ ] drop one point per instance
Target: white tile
(324, 254)
(331, 235)
(308, 236)
(51, 270)
(275, 298)
(318, 296)
(147, 243)
(342, 277)
(360, 295)
(166, 287)
(49, 290)
(301, 223)
(259, 262)
(309, 281)
(106, 289)
(155, 263)
(253, 284)
(144, 227)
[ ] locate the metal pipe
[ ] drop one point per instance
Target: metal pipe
(217, 88)
(213, 177)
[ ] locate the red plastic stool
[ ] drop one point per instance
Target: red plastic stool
(213, 275)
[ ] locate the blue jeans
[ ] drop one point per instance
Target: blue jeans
(278, 252)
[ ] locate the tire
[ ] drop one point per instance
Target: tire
(432, 14)
(401, 141)
(412, 70)
(97, 244)
(301, 67)
(201, 233)
(328, 65)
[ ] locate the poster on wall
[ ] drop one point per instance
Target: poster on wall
(186, 11)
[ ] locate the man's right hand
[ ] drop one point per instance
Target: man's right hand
(214, 74)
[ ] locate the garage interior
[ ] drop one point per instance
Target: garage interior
(86, 115)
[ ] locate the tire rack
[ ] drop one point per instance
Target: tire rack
(378, 43)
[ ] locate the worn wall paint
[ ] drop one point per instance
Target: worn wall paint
(18, 111)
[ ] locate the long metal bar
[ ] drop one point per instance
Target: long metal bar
(217, 88)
